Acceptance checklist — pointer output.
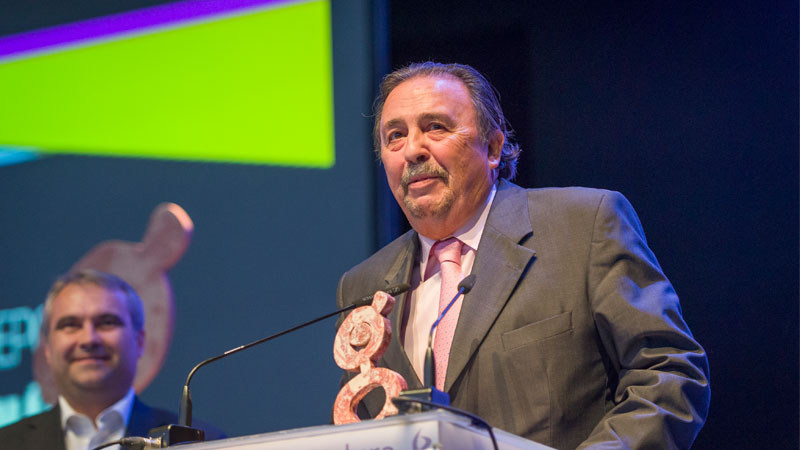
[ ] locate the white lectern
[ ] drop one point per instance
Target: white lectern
(429, 430)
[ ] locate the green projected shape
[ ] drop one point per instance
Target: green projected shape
(249, 88)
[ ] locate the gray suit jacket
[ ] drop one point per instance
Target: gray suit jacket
(43, 431)
(572, 335)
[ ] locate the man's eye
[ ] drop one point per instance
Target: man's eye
(68, 324)
(108, 322)
(394, 135)
(436, 126)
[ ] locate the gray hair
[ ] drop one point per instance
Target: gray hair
(484, 99)
(98, 278)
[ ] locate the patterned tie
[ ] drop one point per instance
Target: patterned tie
(448, 252)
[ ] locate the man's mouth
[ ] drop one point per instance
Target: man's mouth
(90, 358)
(420, 183)
(421, 178)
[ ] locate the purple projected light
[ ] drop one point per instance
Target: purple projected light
(123, 22)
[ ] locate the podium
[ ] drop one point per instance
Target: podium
(429, 430)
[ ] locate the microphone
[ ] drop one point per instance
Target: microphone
(133, 443)
(464, 287)
(183, 432)
(367, 299)
(429, 395)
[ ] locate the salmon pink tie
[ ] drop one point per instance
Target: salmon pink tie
(448, 252)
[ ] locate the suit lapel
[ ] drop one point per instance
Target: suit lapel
(400, 272)
(46, 432)
(499, 264)
(141, 419)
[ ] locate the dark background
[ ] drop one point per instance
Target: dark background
(690, 109)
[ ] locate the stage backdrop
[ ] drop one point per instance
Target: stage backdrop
(225, 108)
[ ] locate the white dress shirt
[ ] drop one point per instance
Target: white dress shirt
(424, 299)
(81, 433)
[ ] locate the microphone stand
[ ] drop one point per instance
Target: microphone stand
(183, 431)
(429, 395)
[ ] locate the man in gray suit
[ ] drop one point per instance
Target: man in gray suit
(572, 335)
(93, 327)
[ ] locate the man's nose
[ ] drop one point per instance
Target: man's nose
(89, 337)
(416, 148)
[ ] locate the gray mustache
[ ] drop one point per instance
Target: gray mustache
(423, 169)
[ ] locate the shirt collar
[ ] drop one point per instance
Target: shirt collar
(470, 233)
(122, 407)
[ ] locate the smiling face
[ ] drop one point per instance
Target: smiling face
(91, 345)
(438, 166)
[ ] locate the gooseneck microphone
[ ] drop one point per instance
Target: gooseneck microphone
(464, 287)
(428, 395)
(133, 443)
(185, 414)
(183, 432)
(367, 299)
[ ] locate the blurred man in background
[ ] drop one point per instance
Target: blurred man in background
(93, 334)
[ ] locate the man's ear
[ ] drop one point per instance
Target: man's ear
(46, 347)
(140, 340)
(495, 148)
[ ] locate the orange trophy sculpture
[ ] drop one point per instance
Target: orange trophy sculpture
(361, 340)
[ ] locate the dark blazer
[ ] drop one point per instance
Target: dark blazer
(43, 431)
(572, 335)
